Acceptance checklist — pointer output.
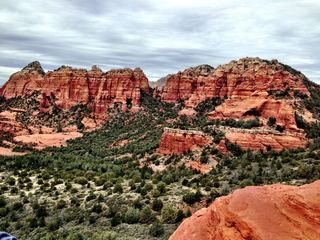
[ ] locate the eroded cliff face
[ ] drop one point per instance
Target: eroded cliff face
(250, 88)
(176, 141)
(67, 87)
(24, 82)
(269, 212)
(236, 80)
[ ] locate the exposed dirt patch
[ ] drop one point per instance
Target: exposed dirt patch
(9, 152)
(48, 140)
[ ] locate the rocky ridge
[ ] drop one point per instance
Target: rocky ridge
(249, 88)
(67, 87)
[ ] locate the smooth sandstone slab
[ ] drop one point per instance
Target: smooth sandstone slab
(275, 212)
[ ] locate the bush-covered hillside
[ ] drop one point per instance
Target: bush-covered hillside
(112, 184)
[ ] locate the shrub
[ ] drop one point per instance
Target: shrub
(233, 148)
(191, 197)
(75, 236)
(41, 211)
(75, 201)
(131, 216)
(156, 229)
(137, 203)
(168, 214)
(157, 205)
(97, 208)
(155, 193)
(99, 181)
(32, 222)
(54, 224)
(17, 206)
(11, 181)
(90, 197)
(280, 128)
(118, 188)
(105, 236)
(272, 121)
(3, 211)
(146, 215)
(61, 204)
(161, 186)
(81, 180)
(180, 216)
(3, 202)
(204, 158)
(116, 219)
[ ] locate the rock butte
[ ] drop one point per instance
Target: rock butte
(67, 87)
(274, 212)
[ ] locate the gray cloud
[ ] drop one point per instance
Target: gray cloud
(161, 37)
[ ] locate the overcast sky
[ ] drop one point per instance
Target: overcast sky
(161, 37)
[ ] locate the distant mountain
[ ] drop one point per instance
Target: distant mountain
(161, 82)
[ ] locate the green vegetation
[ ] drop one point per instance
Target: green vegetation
(279, 94)
(312, 130)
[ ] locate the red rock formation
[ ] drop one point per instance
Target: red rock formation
(274, 212)
(67, 87)
(24, 82)
(175, 141)
(260, 141)
(261, 106)
(237, 80)
(246, 84)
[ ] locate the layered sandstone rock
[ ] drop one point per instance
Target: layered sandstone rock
(257, 106)
(9, 124)
(67, 87)
(24, 82)
(265, 141)
(249, 87)
(274, 212)
(237, 80)
(175, 141)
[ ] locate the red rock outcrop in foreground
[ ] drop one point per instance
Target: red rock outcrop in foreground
(175, 141)
(67, 87)
(275, 212)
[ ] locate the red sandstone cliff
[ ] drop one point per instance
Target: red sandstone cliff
(175, 141)
(249, 87)
(24, 82)
(67, 87)
(274, 212)
(237, 80)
